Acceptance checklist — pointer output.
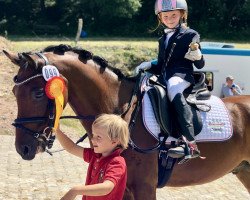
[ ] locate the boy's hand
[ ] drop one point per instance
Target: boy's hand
(69, 195)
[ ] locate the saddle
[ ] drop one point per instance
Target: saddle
(163, 110)
(196, 94)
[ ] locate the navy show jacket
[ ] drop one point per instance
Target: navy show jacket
(177, 65)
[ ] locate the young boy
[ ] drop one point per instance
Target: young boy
(107, 173)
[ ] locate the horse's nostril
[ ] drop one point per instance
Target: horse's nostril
(25, 150)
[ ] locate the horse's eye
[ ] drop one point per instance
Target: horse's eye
(38, 93)
(15, 79)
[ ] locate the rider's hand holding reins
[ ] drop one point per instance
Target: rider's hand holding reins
(194, 52)
(143, 66)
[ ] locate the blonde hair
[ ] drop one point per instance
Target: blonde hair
(116, 127)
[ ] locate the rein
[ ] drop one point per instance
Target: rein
(134, 116)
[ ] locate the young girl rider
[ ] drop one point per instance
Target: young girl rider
(107, 172)
(182, 43)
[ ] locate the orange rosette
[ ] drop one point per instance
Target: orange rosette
(54, 90)
(55, 87)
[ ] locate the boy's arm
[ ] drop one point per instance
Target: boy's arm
(99, 189)
(68, 144)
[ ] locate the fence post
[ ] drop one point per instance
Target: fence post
(79, 30)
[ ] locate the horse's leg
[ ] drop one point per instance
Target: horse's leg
(243, 174)
(128, 194)
(142, 176)
(143, 191)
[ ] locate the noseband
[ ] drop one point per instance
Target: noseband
(46, 134)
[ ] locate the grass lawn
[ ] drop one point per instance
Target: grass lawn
(28, 44)
(123, 53)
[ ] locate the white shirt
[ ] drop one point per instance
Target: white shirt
(169, 35)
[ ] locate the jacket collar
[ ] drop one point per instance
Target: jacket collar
(115, 153)
(179, 31)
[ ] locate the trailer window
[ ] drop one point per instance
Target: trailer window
(209, 80)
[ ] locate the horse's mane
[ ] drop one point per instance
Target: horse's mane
(84, 55)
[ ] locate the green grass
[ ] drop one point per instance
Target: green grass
(27, 45)
(123, 53)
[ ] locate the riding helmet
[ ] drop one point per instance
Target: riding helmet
(170, 5)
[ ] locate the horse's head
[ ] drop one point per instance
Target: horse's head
(94, 87)
(36, 112)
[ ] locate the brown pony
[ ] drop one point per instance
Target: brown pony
(93, 87)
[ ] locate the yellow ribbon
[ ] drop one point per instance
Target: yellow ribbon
(55, 90)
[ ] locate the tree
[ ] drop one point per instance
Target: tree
(98, 15)
(121, 17)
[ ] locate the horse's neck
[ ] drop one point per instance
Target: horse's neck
(90, 93)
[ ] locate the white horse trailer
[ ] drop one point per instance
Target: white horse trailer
(221, 62)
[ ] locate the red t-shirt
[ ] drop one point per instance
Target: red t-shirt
(112, 167)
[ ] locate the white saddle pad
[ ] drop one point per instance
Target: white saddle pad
(217, 125)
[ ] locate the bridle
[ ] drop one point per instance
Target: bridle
(46, 133)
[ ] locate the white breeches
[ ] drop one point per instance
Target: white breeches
(176, 85)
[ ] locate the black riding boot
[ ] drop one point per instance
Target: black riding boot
(184, 116)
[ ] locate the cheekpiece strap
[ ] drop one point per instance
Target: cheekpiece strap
(40, 55)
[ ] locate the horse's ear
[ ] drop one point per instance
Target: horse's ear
(20, 59)
(30, 60)
(13, 57)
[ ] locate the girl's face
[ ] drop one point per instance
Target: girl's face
(101, 141)
(171, 18)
